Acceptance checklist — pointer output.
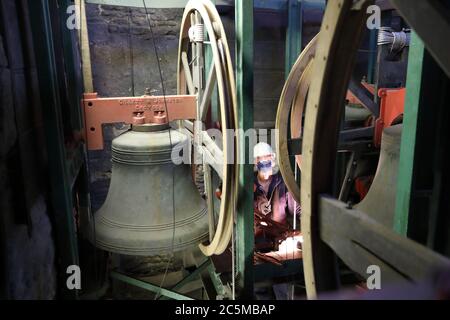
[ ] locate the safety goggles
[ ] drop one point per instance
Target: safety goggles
(264, 165)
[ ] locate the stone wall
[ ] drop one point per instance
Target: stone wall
(122, 53)
(27, 250)
(122, 49)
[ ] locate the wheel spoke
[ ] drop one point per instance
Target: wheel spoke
(221, 78)
(210, 200)
(293, 98)
(214, 155)
(187, 73)
(210, 84)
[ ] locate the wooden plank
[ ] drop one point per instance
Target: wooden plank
(359, 259)
(342, 28)
(83, 37)
(340, 226)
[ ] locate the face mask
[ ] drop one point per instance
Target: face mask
(264, 166)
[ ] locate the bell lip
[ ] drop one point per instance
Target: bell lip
(150, 127)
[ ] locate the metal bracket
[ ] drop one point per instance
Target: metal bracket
(133, 110)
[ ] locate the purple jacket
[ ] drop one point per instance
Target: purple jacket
(278, 203)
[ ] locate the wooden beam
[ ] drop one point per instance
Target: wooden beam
(409, 137)
(187, 73)
(345, 229)
(208, 93)
(83, 37)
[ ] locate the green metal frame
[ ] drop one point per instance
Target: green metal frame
(373, 45)
(244, 79)
(166, 293)
(294, 34)
(61, 191)
(191, 277)
(409, 136)
(421, 184)
(148, 286)
(294, 31)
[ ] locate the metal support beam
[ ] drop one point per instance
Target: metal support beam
(191, 277)
(409, 136)
(149, 287)
(60, 185)
(420, 189)
(363, 95)
(293, 34)
(244, 78)
(372, 55)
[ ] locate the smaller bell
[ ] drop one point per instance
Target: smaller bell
(380, 201)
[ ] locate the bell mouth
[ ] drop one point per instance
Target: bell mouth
(150, 127)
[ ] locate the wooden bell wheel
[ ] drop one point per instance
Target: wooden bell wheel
(202, 30)
(330, 227)
(292, 105)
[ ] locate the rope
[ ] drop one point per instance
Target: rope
(130, 46)
(170, 139)
(397, 40)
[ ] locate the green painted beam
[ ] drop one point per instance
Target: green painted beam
(148, 286)
(294, 31)
(73, 70)
(373, 46)
(61, 193)
(409, 136)
(191, 277)
(217, 282)
(244, 79)
(294, 34)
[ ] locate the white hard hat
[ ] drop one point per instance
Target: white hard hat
(262, 149)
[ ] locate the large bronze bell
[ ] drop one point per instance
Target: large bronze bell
(138, 215)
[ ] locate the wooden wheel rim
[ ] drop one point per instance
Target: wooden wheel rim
(339, 39)
(228, 110)
(340, 36)
(293, 97)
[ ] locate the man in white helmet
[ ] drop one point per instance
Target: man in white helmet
(271, 196)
